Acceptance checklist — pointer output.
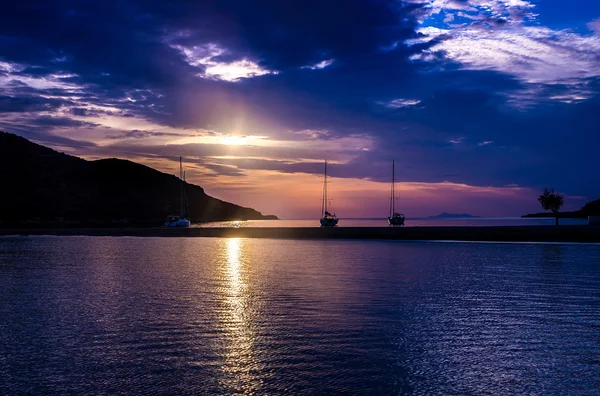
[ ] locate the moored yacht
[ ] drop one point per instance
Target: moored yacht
(394, 218)
(181, 220)
(177, 221)
(327, 219)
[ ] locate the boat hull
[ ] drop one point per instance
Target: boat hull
(396, 221)
(181, 223)
(328, 222)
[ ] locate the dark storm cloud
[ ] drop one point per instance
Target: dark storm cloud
(286, 34)
(55, 122)
(28, 104)
(84, 112)
(91, 39)
(123, 42)
(78, 111)
(139, 134)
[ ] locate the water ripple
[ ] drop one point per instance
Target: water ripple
(236, 316)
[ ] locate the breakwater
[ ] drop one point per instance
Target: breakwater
(577, 233)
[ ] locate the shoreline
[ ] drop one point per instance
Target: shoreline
(567, 233)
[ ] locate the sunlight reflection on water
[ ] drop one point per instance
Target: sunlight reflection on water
(240, 366)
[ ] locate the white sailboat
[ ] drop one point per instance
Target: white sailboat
(394, 218)
(181, 220)
(327, 219)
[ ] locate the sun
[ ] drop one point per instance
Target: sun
(234, 140)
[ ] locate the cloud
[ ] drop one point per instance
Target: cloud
(319, 65)
(233, 71)
(401, 103)
(284, 166)
(286, 35)
(490, 11)
(534, 55)
(139, 134)
(37, 78)
(223, 170)
(53, 122)
(205, 56)
(29, 104)
(595, 26)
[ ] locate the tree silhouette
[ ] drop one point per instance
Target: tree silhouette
(551, 201)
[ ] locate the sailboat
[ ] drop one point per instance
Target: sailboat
(395, 218)
(327, 219)
(181, 220)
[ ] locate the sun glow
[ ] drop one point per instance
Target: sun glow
(234, 140)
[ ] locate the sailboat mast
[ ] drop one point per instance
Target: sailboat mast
(181, 187)
(392, 192)
(393, 187)
(324, 202)
(185, 199)
(326, 186)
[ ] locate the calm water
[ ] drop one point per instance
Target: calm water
(198, 316)
(473, 222)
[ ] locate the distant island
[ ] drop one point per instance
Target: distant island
(590, 209)
(445, 215)
(45, 188)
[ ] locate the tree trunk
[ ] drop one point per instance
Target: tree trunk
(557, 220)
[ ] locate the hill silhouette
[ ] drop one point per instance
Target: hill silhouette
(42, 187)
(590, 209)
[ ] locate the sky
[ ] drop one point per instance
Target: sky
(481, 103)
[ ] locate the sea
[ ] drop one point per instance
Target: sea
(201, 316)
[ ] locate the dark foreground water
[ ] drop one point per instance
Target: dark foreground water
(198, 316)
